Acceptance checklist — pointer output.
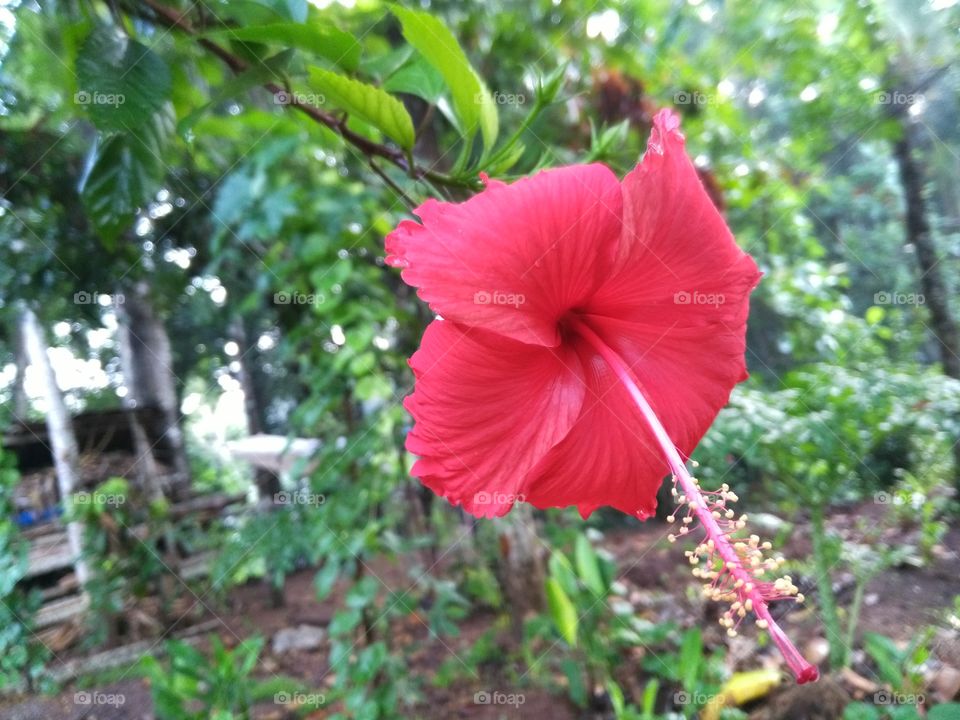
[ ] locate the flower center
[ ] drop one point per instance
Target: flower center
(732, 563)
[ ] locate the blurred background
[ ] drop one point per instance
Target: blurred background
(205, 504)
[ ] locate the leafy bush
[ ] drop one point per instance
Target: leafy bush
(22, 656)
(194, 686)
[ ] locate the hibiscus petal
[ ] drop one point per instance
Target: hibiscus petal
(677, 261)
(487, 409)
(675, 311)
(609, 457)
(514, 258)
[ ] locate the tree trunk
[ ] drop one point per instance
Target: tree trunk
(520, 570)
(148, 372)
(268, 483)
(60, 429)
(21, 403)
(932, 283)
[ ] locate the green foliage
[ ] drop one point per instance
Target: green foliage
(131, 544)
(562, 611)
(472, 103)
(286, 217)
(315, 37)
(127, 169)
(366, 102)
(899, 667)
(22, 656)
(588, 611)
(125, 88)
(193, 686)
(121, 83)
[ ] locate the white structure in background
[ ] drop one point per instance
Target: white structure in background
(277, 453)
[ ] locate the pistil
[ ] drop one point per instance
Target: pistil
(730, 562)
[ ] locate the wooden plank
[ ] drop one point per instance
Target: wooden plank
(61, 610)
(49, 553)
(126, 654)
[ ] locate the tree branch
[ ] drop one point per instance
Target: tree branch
(177, 20)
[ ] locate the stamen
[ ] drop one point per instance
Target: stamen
(731, 562)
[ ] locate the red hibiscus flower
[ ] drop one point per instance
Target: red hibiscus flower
(591, 331)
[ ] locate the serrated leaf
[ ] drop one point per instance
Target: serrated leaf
(471, 99)
(562, 611)
(369, 103)
(121, 82)
(127, 170)
(337, 46)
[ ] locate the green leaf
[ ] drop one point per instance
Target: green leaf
(691, 657)
(259, 74)
(575, 684)
(615, 693)
(947, 711)
(369, 103)
(419, 78)
(126, 172)
(562, 611)
(887, 657)
(650, 698)
(326, 578)
(259, 12)
(344, 621)
(471, 99)
(562, 571)
(362, 593)
(333, 44)
(905, 712)
(588, 567)
(121, 83)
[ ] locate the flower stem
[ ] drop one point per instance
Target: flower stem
(735, 580)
